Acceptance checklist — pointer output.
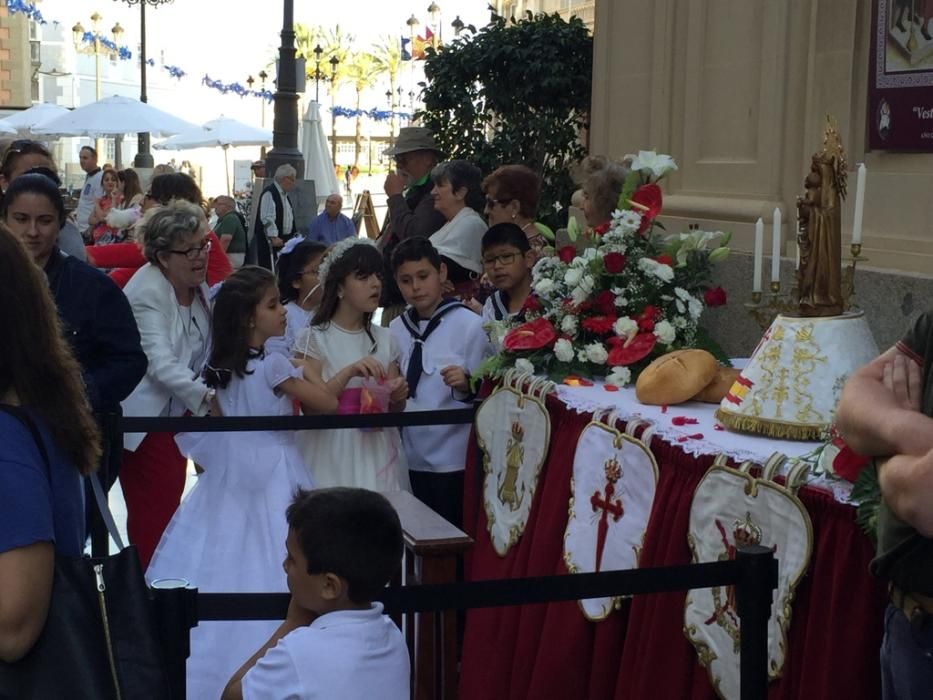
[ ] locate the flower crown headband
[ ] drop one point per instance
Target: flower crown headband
(336, 252)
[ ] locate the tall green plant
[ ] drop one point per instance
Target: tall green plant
(515, 91)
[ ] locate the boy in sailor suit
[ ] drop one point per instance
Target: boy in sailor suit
(441, 343)
(507, 262)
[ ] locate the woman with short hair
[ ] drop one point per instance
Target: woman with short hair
(512, 196)
(169, 298)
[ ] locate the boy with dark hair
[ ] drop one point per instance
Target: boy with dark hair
(441, 343)
(344, 545)
(507, 261)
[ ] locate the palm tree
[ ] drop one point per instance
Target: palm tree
(362, 70)
(387, 53)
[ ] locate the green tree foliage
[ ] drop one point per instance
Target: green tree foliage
(515, 91)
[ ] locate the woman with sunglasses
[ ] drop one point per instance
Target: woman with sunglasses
(170, 301)
(512, 196)
(23, 156)
(123, 259)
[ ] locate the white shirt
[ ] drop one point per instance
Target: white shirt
(345, 655)
(90, 193)
(458, 340)
(267, 213)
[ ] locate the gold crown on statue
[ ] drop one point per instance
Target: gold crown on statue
(613, 470)
(834, 154)
(746, 531)
(518, 432)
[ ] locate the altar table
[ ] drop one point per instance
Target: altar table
(640, 651)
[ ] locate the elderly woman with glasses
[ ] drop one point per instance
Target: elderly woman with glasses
(123, 259)
(169, 298)
(512, 196)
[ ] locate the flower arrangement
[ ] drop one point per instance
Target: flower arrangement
(631, 295)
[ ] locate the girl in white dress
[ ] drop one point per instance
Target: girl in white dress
(299, 290)
(228, 535)
(356, 361)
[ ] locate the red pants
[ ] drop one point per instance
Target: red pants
(153, 479)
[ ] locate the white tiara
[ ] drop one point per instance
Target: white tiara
(336, 251)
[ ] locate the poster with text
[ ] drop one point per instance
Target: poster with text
(900, 91)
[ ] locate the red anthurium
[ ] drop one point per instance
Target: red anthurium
(614, 263)
(631, 351)
(715, 296)
(646, 200)
(606, 302)
(599, 324)
(567, 254)
(533, 335)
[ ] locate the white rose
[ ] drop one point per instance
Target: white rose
(524, 365)
(587, 283)
(619, 376)
(596, 353)
(624, 326)
(544, 287)
(573, 276)
(665, 332)
(568, 324)
(665, 273)
(696, 308)
(563, 350)
(579, 295)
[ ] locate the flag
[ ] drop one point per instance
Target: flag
(429, 38)
(406, 56)
(418, 48)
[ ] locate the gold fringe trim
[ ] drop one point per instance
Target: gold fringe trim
(769, 428)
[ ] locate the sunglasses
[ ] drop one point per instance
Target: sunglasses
(491, 203)
(24, 147)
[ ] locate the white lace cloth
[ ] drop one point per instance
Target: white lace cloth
(700, 438)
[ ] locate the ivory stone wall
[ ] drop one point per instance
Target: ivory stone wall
(737, 92)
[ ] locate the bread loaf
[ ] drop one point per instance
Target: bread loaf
(719, 387)
(675, 377)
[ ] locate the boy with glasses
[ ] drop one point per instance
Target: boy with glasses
(507, 262)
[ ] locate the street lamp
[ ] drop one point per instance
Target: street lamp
(96, 48)
(458, 25)
(435, 13)
(262, 109)
(333, 103)
(285, 123)
(317, 72)
(143, 156)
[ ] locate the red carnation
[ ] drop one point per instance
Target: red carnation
(664, 259)
(533, 335)
(647, 317)
(601, 230)
(531, 303)
(606, 302)
(567, 254)
(651, 312)
(638, 348)
(598, 324)
(614, 262)
(646, 200)
(715, 296)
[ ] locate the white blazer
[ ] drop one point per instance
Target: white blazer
(166, 344)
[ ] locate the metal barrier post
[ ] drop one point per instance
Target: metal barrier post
(753, 601)
(176, 609)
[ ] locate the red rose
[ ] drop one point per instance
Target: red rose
(598, 324)
(638, 348)
(531, 303)
(533, 335)
(601, 230)
(646, 200)
(664, 259)
(567, 254)
(614, 262)
(606, 302)
(715, 296)
(650, 312)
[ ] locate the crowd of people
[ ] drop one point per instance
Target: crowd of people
(138, 303)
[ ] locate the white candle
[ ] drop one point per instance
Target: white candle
(859, 204)
(776, 246)
(759, 253)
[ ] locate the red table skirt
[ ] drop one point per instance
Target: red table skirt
(640, 651)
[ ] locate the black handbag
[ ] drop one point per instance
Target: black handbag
(100, 639)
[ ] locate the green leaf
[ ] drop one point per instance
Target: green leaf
(632, 181)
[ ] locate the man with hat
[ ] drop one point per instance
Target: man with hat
(411, 208)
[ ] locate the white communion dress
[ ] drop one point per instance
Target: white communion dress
(371, 458)
(228, 535)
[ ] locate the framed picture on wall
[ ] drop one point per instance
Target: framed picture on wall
(900, 90)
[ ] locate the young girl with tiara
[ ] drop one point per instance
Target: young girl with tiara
(355, 360)
(298, 288)
(228, 535)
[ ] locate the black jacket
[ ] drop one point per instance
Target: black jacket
(99, 325)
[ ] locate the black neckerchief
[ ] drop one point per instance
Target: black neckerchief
(411, 320)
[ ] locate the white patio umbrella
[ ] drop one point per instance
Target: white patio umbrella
(6, 130)
(224, 132)
(113, 116)
(24, 123)
(319, 166)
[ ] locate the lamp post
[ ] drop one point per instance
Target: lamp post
(143, 155)
(317, 72)
(458, 25)
(412, 22)
(333, 103)
(285, 123)
(96, 48)
(390, 100)
(435, 13)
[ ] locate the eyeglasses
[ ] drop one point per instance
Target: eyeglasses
(504, 259)
(491, 203)
(194, 253)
